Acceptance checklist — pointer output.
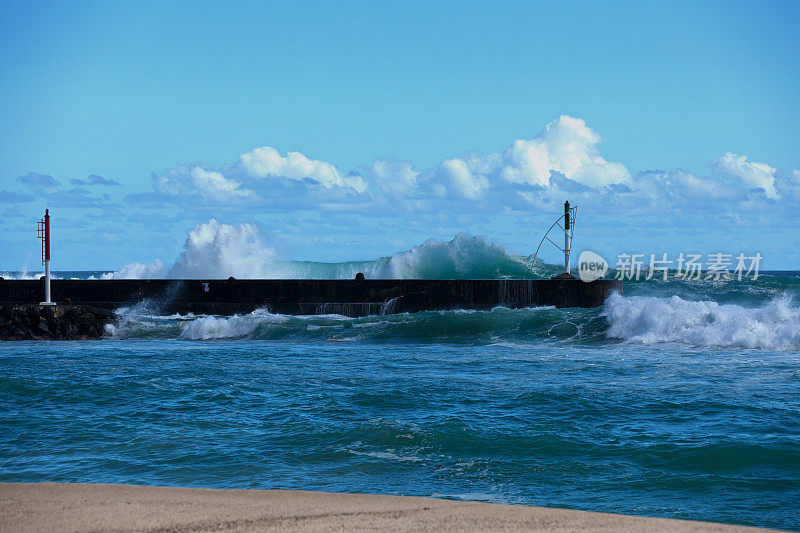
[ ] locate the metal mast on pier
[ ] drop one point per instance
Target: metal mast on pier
(43, 232)
(569, 216)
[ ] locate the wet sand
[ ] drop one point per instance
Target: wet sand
(90, 507)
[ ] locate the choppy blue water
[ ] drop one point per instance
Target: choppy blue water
(677, 399)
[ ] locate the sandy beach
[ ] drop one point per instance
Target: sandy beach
(91, 507)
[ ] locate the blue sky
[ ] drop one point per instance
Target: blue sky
(674, 126)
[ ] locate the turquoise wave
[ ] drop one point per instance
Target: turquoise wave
(740, 314)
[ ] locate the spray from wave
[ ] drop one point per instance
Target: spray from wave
(216, 250)
(153, 270)
(24, 275)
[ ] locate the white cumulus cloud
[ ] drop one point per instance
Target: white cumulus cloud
(197, 181)
(566, 145)
(680, 185)
(461, 181)
(397, 178)
(267, 162)
(751, 174)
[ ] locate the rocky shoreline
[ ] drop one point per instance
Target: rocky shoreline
(19, 322)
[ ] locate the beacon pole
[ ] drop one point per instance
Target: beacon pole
(44, 234)
(567, 243)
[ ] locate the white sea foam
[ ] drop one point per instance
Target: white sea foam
(38, 276)
(236, 326)
(390, 455)
(143, 319)
(649, 320)
(26, 275)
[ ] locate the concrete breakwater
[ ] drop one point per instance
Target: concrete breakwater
(25, 321)
(304, 297)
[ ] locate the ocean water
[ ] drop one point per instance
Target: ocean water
(676, 399)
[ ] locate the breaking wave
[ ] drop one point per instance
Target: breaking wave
(463, 257)
(476, 327)
(215, 250)
(649, 320)
(628, 319)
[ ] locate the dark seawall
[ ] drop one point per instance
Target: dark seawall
(308, 297)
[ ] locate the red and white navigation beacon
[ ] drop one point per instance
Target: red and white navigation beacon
(43, 232)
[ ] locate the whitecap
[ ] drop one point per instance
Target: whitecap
(650, 320)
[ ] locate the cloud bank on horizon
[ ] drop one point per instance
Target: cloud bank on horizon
(562, 160)
(531, 176)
